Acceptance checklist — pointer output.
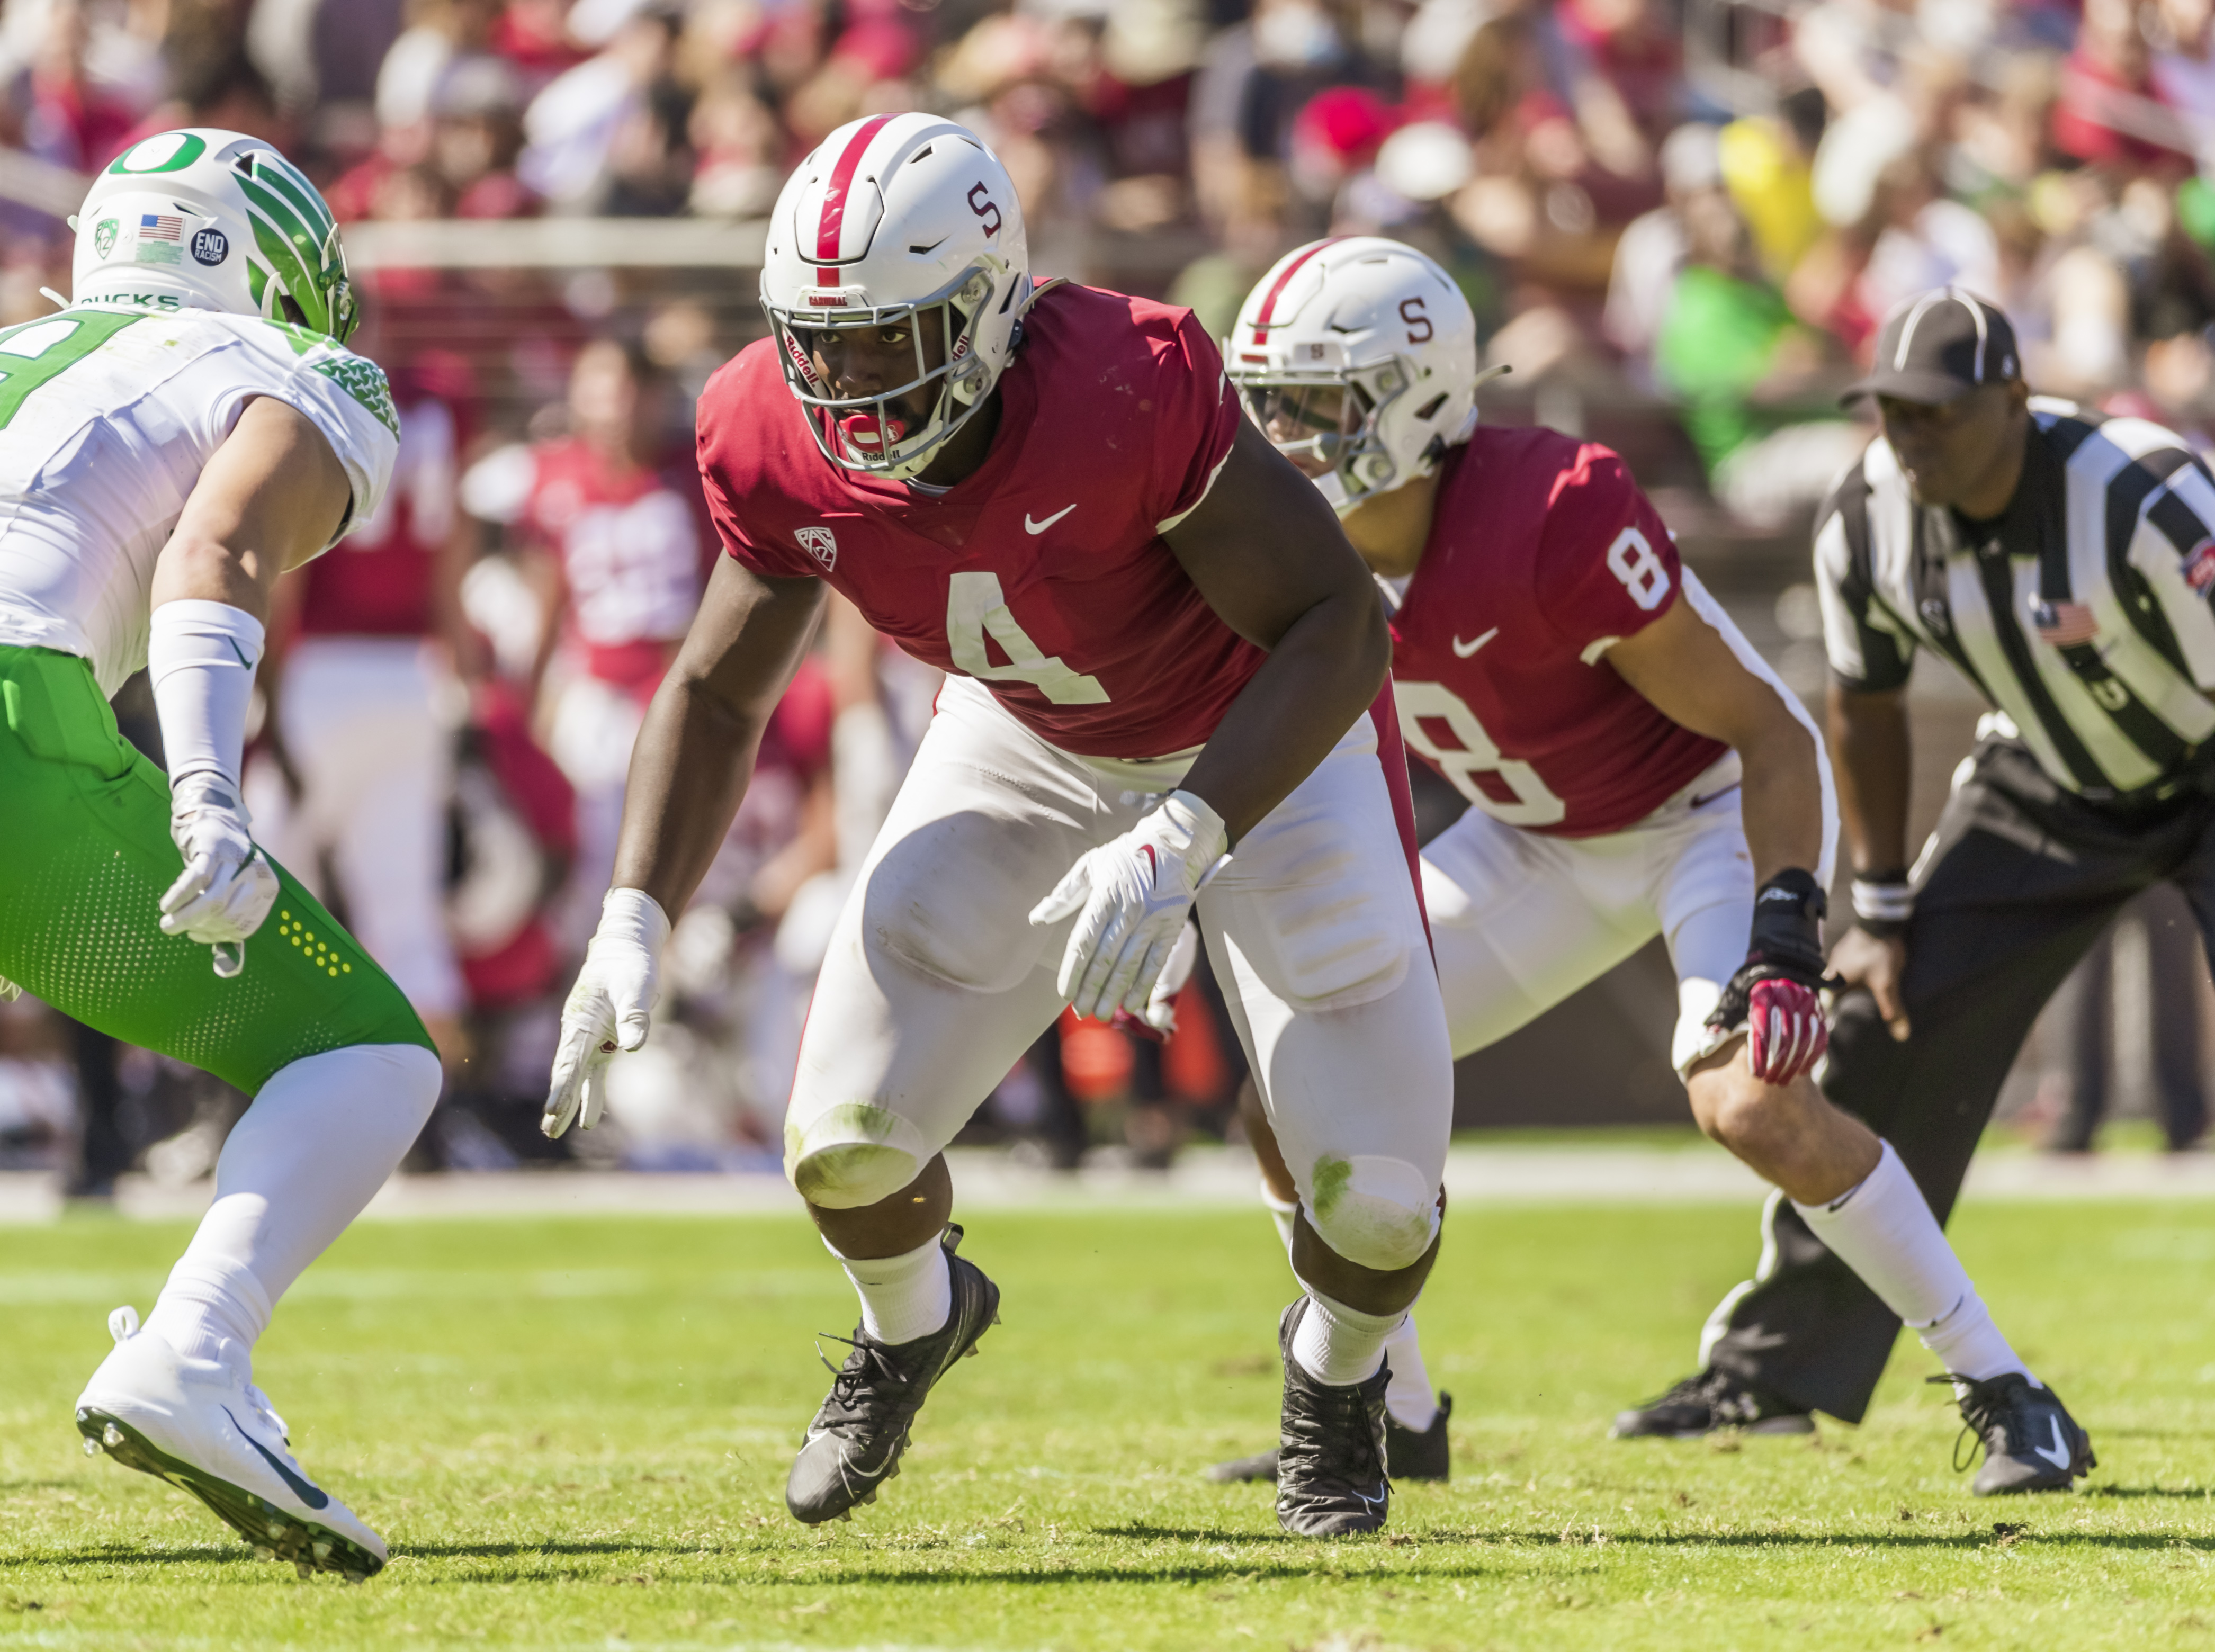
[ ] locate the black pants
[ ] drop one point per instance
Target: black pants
(2022, 878)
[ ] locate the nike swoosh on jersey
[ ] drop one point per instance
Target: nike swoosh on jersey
(1030, 526)
(1702, 802)
(314, 1497)
(1463, 650)
(2059, 1455)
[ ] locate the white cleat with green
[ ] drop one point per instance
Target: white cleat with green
(206, 1428)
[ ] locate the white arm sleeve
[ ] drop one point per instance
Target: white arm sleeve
(200, 656)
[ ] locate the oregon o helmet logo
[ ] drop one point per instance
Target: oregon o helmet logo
(167, 151)
(210, 247)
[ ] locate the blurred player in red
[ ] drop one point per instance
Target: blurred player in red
(1633, 770)
(619, 519)
(1161, 649)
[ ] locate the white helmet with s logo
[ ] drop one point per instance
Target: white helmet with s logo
(892, 218)
(1367, 348)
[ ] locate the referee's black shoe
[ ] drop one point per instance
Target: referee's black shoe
(853, 1445)
(1330, 1458)
(1705, 1402)
(2031, 1442)
(1409, 1454)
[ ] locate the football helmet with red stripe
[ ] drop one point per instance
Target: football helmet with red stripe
(903, 221)
(1357, 357)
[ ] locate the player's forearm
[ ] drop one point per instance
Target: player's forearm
(1870, 744)
(689, 772)
(1324, 672)
(1780, 798)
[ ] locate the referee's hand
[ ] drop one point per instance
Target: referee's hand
(1863, 959)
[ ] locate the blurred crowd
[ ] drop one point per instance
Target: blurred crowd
(1687, 214)
(1712, 200)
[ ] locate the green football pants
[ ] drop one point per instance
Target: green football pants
(85, 858)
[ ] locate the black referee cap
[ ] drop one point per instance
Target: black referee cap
(1935, 347)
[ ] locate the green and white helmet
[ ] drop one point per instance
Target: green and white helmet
(202, 219)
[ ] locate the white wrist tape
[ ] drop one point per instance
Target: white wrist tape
(1889, 901)
(201, 657)
(635, 916)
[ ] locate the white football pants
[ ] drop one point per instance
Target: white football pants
(1519, 921)
(360, 719)
(936, 981)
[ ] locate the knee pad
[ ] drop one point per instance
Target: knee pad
(1376, 1212)
(852, 1155)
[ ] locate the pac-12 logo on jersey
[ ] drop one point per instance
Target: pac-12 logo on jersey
(821, 544)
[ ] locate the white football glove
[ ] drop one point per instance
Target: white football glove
(1132, 897)
(610, 1007)
(227, 886)
(1160, 1021)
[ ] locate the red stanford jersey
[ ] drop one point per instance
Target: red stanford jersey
(378, 580)
(1542, 553)
(1044, 573)
(632, 548)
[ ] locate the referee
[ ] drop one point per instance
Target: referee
(2062, 561)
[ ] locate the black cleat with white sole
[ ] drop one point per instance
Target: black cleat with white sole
(1331, 1480)
(2031, 1442)
(1707, 1402)
(1409, 1455)
(853, 1445)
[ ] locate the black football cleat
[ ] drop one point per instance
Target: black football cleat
(2031, 1442)
(1705, 1403)
(1331, 1480)
(853, 1445)
(1412, 1456)
(1409, 1455)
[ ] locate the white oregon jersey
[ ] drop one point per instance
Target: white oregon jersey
(107, 416)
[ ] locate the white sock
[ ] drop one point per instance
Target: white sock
(1884, 1230)
(209, 1298)
(313, 1150)
(1281, 1211)
(1338, 1345)
(1408, 1396)
(903, 1297)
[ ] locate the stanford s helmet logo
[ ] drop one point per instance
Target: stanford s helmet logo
(821, 544)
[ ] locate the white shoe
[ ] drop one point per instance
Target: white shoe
(203, 1427)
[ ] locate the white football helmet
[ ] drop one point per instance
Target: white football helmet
(206, 220)
(893, 219)
(1369, 349)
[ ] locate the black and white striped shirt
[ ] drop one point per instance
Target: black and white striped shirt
(2082, 614)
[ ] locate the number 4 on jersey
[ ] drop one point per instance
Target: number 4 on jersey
(976, 609)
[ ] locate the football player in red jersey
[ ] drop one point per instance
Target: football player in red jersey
(1161, 646)
(1634, 770)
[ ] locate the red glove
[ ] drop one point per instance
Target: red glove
(1773, 995)
(1786, 1034)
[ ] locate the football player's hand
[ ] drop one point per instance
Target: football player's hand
(1130, 898)
(1775, 993)
(1876, 962)
(227, 886)
(1160, 1021)
(610, 1007)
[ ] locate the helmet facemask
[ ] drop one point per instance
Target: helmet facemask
(1328, 423)
(868, 433)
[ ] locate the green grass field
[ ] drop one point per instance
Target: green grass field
(575, 1434)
